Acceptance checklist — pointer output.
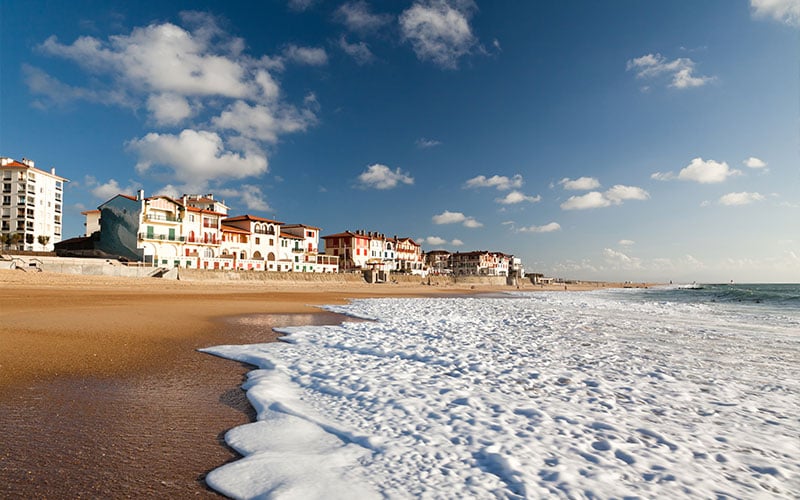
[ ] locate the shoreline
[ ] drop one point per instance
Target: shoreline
(103, 387)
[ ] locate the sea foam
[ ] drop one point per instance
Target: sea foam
(545, 394)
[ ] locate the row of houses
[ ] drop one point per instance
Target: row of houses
(196, 231)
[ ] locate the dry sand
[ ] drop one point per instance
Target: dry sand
(103, 392)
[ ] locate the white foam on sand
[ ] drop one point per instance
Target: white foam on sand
(549, 394)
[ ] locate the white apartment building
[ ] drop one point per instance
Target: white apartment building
(31, 209)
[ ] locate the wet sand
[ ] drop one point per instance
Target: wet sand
(103, 392)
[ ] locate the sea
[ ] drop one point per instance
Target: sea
(667, 392)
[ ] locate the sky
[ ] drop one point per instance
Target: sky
(620, 140)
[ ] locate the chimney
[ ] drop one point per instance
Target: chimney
(53, 171)
(140, 195)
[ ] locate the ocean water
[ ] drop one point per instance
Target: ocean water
(658, 393)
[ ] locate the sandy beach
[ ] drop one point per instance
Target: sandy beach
(103, 391)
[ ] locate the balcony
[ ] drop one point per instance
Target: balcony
(161, 218)
(161, 237)
(297, 250)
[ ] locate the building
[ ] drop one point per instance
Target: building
(480, 263)
(92, 223)
(350, 248)
(302, 243)
(32, 201)
(262, 244)
(409, 257)
(438, 261)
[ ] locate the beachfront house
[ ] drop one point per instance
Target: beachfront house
(32, 202)
(350, 248)
(480, 263)
(303, 243)
(409, 257)
(262, 245)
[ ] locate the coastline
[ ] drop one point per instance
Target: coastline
(106, 392)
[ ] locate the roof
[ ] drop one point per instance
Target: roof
(234, 229)
(16, 164)
(345, 234)
(290, 236)
(250, 218)
(87, 212)
(204, 211)
(301, 225)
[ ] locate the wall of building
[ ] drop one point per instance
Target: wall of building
(119, 225)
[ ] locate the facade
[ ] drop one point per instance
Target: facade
(92, 223)
(350, 248)
(409, 257)
(437, 262)
(480, 263)
(31, 209)
(196, 232)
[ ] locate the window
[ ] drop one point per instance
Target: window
(58, 185)
(258, 241)
(309, 234)
(271, 242)
(6, 188)
(58, 196)
(6, 200)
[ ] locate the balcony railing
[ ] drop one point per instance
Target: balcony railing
(161, 237)
(162, 218)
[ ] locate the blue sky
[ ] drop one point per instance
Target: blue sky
(620, 140)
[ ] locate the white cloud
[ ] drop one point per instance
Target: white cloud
(680, 70)
(195, 71)
(754, 162)
(424, 143)
(251, 196)
(472, 223)
(310, 56)
(263, 122)
(518, 197)
(744, 198)
(662, 176)
(614, 196)
(626, 243)
(359, 51)
(619, 193)
(785, 11)
(356, 16)
(706, 172)
(547, 228)
(589, 200)
(195, 157)
(619, 260)
(457, 243)
(435, 240)
(439, 30)
(109, 189)
(448, 217)
(501, 182)
(168, 108)
(580, 184)
(379, 176)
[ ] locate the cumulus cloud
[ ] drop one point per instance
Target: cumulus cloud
(614, 196)
(301, 5)
(457, 243)
(379, 176)
(785, 11)
(680, 71)
(706, 172)
(547, 228)
(626, 243)
(619, 260)
(359, 51)
(357, 17)
(435, 240)
(448, 217)
(109, 189)
(580, 184)
(700, 170)
(439, 30)
(195, 157)
(501, 182)
(518, 197)
(176, 73)
(743, 198)
(754, 162)
(250, 195)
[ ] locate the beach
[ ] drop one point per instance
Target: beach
(103, 391)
